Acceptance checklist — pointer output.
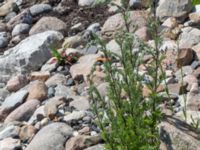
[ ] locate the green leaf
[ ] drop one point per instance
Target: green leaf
(195, 2)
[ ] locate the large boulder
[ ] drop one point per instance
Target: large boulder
(174, 8)
(116, 22)
(177, 135)
(28, 55)
(51, 137)
(189, 37)
(48, 23)
(7, 8)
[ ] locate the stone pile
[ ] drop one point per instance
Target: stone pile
(44, 105)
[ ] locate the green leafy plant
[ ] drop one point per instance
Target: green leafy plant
(64, 59)
(195, 2)
(128, 120)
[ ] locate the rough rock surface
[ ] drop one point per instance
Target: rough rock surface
(28, 55)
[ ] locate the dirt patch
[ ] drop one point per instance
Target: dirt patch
(73, 14)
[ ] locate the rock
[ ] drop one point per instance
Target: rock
(3, 94)
(51, 106)
(170, 23)
(48, 23)
(75, 116)
(173, 8)
(27, 132)
(89, 50)
(175, 88)
(80, 142)
(94, 28)
(9, 131)
(185, 57)
(193, 101)
(51, 137)
(103, 89)
(50, 65)
(190, 79)
(184, 71)
(23, 112)
(80, 100)
(116, 22)
(192, 116)
(70, 82)
(169, 45)
(195, 17)
(10, 144)
(85, 62)
(3, 27)
(22, 28)
(3, 39)
(7, 8)
(86, 2)
(138, 4)
(113, 47)
(37, 90)
(84, 131)
(178, 135)
(12, 102)
(143, 33)
(15, 40)
(39, 9)
(38, 115)
(10, 15)
(62, 8)
(41, 76)
(16, 83)
(96, 147)
(195, 64)
(23, 17)
(56, 80)
(189, 37)
(64, 91)
(196, 49)
(73, 42)
(51, 92)
(28, 55)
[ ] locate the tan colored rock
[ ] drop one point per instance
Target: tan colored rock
(116, 22)
(16, 83)
(193, 101)
(173, 8)
(48, 23)
(73, 42)
(85, 105)
(7, 8)
(41, 76)
(175, 88)
(189, 80)
(195, 16)
(84, 66)
(81, 142)
(51, 107)
(10, 144)
(143, 33)
(177, 135)
(185, 57)
(56, 80)
(85, 131)
(23, 112)
(27, 132)
(37, 90)
(170, 23)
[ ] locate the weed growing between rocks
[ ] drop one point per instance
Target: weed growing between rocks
(128, 119)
